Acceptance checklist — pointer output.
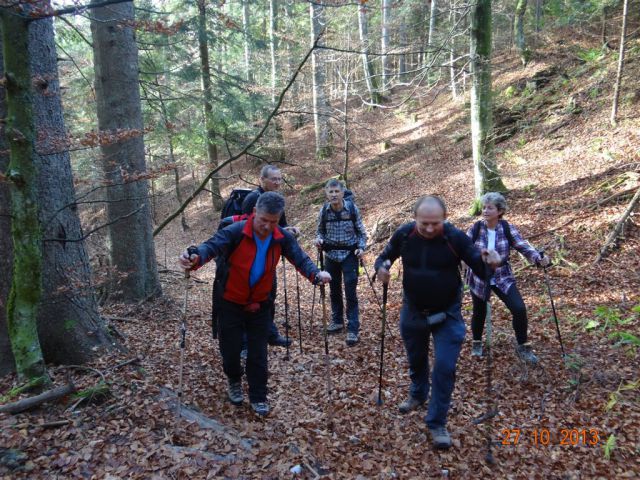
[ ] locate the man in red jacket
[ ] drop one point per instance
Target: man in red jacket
(249, 251)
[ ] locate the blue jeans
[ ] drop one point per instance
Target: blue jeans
(234, 323)
(447, 340)
(348, 269)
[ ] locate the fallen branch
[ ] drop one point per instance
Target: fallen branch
(120, 319)
(58, 423)
(33, 402)
(125, 363)
(618, 228)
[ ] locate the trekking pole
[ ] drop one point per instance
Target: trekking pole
(491, 410)
(375, 294)
(286, 306)
(385, 289)
(299, 314)
(323, 297)
(553, 305)
(183, 329)
(313, 300)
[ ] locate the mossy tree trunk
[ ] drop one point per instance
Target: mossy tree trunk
(486, 175)
(518, 26)
(26, 281)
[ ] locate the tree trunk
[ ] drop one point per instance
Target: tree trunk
(518, 27)
(386, 20)
(623, 37)
(321, 109)
(248, 74)
(486, 176)
(432, 30)
(402, 59)
(205, 76)
(118, 105)
(370, 80)
(26, 281)
(452, 50)
(273, 18)
(538, 15)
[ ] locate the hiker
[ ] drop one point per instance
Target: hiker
(270, 181)
(252, 249)
(493, 232)
(431, 250)
(341, 234)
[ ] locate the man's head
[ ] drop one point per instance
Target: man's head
(430, 213)
(334, 190)
(270, 178)
(268, 211)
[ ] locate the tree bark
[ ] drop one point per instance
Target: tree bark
(486, 176)
(432, 30)
(205, 76)
(452, 50)
(518, 27)
(370, 80)
(273, 44)
(321, 107)
(118, 105)
(248, 74)
(623, 37)
(386, 20)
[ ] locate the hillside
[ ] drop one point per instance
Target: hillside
(570, 177)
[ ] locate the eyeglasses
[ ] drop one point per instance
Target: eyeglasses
(275, 179)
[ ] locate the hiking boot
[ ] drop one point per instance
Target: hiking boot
(352, 339)
(526, 354)
(335, 327)
(235, 393)
(411, 403)
(279, 341)
(440, 438)
(476, 348)
(261, 408)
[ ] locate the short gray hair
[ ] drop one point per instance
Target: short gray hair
(271, 203)
(267, 169)
(332, 183)
(496, 199)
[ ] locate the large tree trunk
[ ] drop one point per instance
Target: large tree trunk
(321, 107)
(623, 37)
(452, 50)
(486, 176)
(518, 27)
(68, 323)
(118, 105)
(432, 32)
(370, 80)
(205, 75)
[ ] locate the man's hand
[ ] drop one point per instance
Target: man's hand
(187, 261)
(544, 261)
(295, 231)
(358, 252)
(383, 273)
(491, 258)
(323, 277)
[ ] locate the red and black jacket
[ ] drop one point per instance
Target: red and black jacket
(236, 244)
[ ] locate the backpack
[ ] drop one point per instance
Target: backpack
(233, 205)
(475, 232)
(349, 203)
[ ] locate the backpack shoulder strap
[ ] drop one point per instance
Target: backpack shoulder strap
(507, 232)
(475, 231)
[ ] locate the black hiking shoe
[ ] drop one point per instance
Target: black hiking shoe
(525, 353)
(279, 341)
(261, 408)
(335, 327)
(476, 348)
(440, 438)
(234, 393)
(352, 339)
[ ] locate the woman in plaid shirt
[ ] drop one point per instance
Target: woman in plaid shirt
(493, 233)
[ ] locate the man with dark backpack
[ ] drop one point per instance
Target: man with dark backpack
(270, 181)
(251, 250)
(341, 234)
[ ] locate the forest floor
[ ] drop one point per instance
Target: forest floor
(570, 177)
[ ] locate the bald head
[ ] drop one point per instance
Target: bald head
(430, 213)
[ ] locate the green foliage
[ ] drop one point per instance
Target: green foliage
(609, 446)
(590, 55)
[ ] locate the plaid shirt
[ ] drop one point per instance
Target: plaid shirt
(503, 275)
(340, 230)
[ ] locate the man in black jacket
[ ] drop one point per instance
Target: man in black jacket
(270, 181)
(431, 252)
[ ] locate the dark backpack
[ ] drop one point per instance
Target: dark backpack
(475, 232)
(233, 205)
(349, 203)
